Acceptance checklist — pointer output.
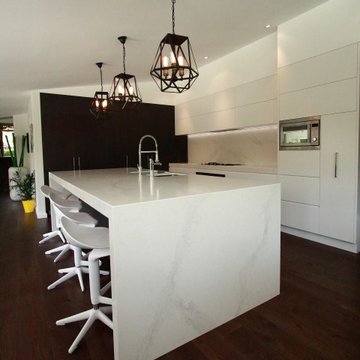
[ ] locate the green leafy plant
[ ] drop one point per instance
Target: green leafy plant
(13, 154)
(25, 185)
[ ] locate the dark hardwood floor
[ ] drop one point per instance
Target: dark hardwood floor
(316, 316)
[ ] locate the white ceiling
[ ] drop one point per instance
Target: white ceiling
(56, 43)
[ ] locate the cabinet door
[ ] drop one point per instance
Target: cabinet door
(338, 174)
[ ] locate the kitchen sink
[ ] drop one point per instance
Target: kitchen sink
(157, 173)
(166, 173)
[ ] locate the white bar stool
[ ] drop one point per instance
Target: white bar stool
(75, 204)
(65, 207)
(80, 265)
(96, 239)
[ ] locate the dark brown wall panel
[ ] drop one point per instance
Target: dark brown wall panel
(69, 130)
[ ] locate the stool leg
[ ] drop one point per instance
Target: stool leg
(62, 279)
(103, 318)
(83, 331)
(79, 274)
(85, 262)
(66, 270)
(104, 289)
(101, 272)
(63, 251)
(49, 236)
(73, 318)
(54, 250)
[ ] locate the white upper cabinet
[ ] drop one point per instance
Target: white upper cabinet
(219, 120)
(222, 100)
(261, 113)
(332, 66)
(338, 175)
(256, 91)
(323, 84)
(331, 98)
(250, 104)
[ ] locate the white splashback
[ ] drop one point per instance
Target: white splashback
(251, 146)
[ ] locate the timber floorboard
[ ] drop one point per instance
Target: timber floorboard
(316, 315)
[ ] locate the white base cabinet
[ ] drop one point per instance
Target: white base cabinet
(299, 172)
(338, 175)
(300, 216)
(319, 188)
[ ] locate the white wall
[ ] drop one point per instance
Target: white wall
(37, 160)
(329, 26)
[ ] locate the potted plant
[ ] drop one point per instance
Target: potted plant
(25, 187)
(16, 166)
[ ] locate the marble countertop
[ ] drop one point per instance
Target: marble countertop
(188, 252)
(240, 168)
(115, 187)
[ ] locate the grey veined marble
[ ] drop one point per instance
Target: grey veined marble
(188, 253)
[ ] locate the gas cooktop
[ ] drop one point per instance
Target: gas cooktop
(214, 163)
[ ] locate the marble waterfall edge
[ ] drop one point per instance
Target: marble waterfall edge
(195, 263)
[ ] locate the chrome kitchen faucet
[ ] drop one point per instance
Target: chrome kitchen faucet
(152, 163)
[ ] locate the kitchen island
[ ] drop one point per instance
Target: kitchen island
(188, 253)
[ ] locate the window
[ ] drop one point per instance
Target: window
(6, 130)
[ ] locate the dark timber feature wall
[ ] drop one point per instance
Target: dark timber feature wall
(70, 132)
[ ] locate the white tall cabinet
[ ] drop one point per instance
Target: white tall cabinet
(338, 175)
(320, 187)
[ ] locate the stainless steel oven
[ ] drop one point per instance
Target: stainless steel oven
(300, 134)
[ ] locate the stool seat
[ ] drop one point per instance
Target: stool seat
(80, 218)
(45, 189)
(80, 266)
(69, 204)
(77, 217)
(96, 239)
(91, 238)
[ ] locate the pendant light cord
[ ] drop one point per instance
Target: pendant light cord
(101, 80)
(124, 54)
(173, 15)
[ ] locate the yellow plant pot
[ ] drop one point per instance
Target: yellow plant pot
(29, 205)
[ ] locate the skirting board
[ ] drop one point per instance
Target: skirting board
(354, 248)
(40, 214)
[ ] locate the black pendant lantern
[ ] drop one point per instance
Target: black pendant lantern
(174, 68)
(100, 104)
(125, 91)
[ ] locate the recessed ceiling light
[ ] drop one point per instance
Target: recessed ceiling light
(267, 26)
(206, 57)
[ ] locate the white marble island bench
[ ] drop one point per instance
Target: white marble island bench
(188, 253)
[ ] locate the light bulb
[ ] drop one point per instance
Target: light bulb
(97, 104)
(104, 104)
(181, 63)
(120, 90)
(173, 59)
(165, 63)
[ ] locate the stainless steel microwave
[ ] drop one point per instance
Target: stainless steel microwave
(300, 134)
